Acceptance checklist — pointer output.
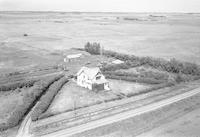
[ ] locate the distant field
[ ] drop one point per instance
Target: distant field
(144, 34)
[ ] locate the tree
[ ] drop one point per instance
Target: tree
(93, 48)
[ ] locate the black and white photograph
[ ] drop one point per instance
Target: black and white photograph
(99, 68)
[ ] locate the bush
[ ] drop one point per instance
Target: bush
(29, 100)
(93, 48)
(173, 66)
(25, 35)
(47, 98)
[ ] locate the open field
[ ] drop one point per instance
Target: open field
(144, 34)
(186, 126)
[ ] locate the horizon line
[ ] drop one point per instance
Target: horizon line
(55, 11)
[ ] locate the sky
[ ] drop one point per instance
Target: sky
(101, 5)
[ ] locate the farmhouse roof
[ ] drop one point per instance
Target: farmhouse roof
(90, 72)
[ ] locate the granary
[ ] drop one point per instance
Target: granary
(71, 57)
(92, 78)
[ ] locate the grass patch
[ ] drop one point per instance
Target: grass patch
(15, 85)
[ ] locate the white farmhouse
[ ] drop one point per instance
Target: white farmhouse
(92, 78)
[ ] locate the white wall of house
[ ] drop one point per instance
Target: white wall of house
(83, 80)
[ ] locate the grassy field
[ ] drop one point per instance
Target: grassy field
(8, 102)
(173, 35)
(125, 87)
(188, 126)
(72, 97)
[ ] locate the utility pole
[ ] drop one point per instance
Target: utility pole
(101, 53)
(74, 107)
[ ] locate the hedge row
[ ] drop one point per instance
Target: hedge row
(173, 65)
(15, 85)
(29, 100)
(47, 98)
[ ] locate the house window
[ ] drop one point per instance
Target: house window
(98, 77)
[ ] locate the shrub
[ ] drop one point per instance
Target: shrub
(47, 98)
(25, 35)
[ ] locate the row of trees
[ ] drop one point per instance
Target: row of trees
(29, 98)
(173, 65)
(47, 98)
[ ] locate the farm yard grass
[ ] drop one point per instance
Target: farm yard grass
(125, 87)
(71, 97)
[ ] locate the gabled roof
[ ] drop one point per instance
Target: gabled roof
(90, 72)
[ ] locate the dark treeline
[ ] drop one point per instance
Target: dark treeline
(173, 65)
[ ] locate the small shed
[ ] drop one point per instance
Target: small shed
(117, 61)
(71, 57)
